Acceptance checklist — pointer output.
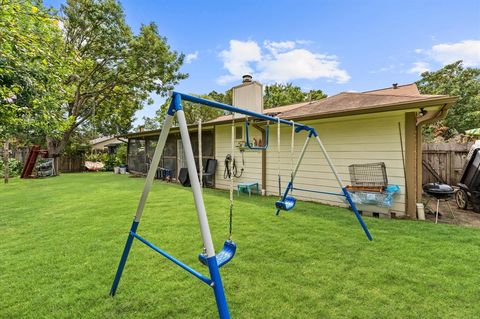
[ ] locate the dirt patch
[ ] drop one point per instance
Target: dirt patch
(460, 216)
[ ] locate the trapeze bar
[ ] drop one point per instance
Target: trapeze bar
(173, 259)
(226, 107)
(319, 192)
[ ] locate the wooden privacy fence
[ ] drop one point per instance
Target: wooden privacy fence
(444, 162)
(67, 164)
(71, 163)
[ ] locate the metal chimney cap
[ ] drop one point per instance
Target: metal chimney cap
(247, 78)
(395, 86)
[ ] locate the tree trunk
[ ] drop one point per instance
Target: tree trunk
(55, 148)
(5, 161)
(54, 152)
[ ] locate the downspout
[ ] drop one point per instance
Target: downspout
(264, 159)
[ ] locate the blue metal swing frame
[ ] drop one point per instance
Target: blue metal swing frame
(247, 138)
(211, 259)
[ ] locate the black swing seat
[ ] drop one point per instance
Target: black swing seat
(224, 256)
(286, 204)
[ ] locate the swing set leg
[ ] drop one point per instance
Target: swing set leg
(357, 214)
(123, 260)
(218, 291)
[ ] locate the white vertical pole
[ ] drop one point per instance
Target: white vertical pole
(233, 158)
(153, 167)
(195, 184)
(278, 158)
(278, 145)
(292, 148)
(330, 163)
(200, 155)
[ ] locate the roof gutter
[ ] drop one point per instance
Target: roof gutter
(433, 117)
(384, 108)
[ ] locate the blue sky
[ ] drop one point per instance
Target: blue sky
(330, 45)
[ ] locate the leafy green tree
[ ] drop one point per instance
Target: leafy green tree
(282, 94)
(314, 95)
(114, 70)
(456, 80)
(150, 123)
(32, 69)
(193, 112)
(275, 95)
(225, 98)
(285, 94)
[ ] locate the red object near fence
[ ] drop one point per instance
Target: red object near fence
(31, 160)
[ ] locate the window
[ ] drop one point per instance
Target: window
(239, 132)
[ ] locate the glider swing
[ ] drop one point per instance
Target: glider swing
(286, 202)
(209, 257)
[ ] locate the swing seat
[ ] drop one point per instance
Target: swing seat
(286, 204)
(224, 256)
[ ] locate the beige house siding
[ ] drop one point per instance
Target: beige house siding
(348, 140)
(253, 159)
(102, 145)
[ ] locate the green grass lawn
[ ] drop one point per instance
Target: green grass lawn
(61, 240)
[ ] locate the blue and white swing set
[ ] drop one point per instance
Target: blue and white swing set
(209, 257)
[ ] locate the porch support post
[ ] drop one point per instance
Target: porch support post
(419, 170)
(411, 163)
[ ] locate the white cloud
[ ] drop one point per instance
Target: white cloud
(275, 47)
(189, 58)
(279, 62)
(301, 64)
(419, 67)
(237, 59)
(445, 53)
(304, 42)
(467, 50)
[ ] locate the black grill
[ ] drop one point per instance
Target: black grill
(438, 190)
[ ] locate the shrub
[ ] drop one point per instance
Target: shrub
(14, 167)
(94, 157)
(110, 162)
(121, 154)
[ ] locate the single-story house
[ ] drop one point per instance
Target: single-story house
(356, 128)
(107, 144)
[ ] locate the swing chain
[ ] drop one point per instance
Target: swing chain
(278, 158)
(292, 149)
(231, 178)
(231, 221)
